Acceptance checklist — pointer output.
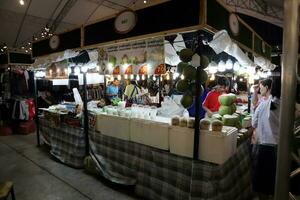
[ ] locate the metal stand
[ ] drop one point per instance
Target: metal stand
(288, 94)
(36, 113)
(85, 113)
(197, 116)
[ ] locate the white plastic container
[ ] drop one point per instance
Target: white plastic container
(114, 126)
(215, 147)
(150, 133)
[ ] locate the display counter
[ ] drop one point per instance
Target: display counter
(159, 174)
(66, 140)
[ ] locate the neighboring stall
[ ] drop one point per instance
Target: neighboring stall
(17, 107)
(65, 81)
(164, 156)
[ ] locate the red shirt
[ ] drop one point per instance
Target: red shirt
(212, 101)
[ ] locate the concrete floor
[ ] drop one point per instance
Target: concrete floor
(37, 176)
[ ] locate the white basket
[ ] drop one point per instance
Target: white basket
(215, 147)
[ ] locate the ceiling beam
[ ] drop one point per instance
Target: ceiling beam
(22, 23)
(64, 11)
(96, 8)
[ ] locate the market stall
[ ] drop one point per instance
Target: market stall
(136, 143)
(61, 126)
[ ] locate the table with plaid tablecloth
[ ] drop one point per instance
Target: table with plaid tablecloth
(158, 174)
(67, 143)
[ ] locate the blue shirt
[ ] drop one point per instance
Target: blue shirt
(192, 110)
(112, 90)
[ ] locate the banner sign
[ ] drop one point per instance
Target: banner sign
(139, 57)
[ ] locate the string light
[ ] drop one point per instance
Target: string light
(137, 77)
(131, 77)
(143, 77)
(221, 66)
(126, 76)
(212, 78)
(229, 64)
(182, 76)
(154, 78)
(119, 77)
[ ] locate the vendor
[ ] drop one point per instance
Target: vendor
(45, 99)
(131, 90)
(211, 103)
(112, 90)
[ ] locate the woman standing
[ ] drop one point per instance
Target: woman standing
(266, 122)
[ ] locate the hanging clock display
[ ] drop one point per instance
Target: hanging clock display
(234, 24)
(125, 21)
(54, 42)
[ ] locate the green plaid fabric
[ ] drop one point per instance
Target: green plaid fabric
(67, 143)
(158, 174)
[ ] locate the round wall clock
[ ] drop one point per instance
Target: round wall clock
(234, 24)
(54, 42)
(125, 21)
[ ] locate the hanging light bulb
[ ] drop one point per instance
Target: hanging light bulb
(126, 76)
(154, 78)
(168, 76)
(58, 70)
(221, 66)
(212, 78)
(137, 77)
(175, 75)
(119, 77)
(66, 70)
(241, 79)
(212, 67)
(131, 76)
(236, 66)
(50, 72)
(22, 2)
(182, 76)
(229, 64)
(143, 77)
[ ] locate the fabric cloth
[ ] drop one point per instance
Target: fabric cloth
(130, 90)
(212, 101)
(113, 90)
(266, 122)
(67, 143)
(158, 174)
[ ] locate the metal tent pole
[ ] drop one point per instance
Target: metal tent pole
(288, 94)
(197, 116)
(36, 112)
(85, 114)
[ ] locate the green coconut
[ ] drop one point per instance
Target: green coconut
(216, 125)
(181, 66)
(187, 100)
(189, 72)
(227, 99)
(230, 120)
(186, 55)
(182, 86)
(204, 62)
(204, 124)
(225, 110)
(203, 76)
(233, 107)
(216, 116)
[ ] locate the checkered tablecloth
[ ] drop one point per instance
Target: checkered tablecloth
(67, 143)
(158, 174)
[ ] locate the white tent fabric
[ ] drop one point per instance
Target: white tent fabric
(171, 57)
(264, 63)
(222, 43)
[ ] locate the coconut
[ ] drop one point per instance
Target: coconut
(181, 66)
(187, 101)
(225, 110)
(186, 55)
(204, 124)
(230, 120)
(217, 125)
(182, 86)
(190, 72)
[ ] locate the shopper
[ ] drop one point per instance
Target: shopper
(266, 122)
(112, 90)
(211, 103)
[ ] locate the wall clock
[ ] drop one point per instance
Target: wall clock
(125, 21)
